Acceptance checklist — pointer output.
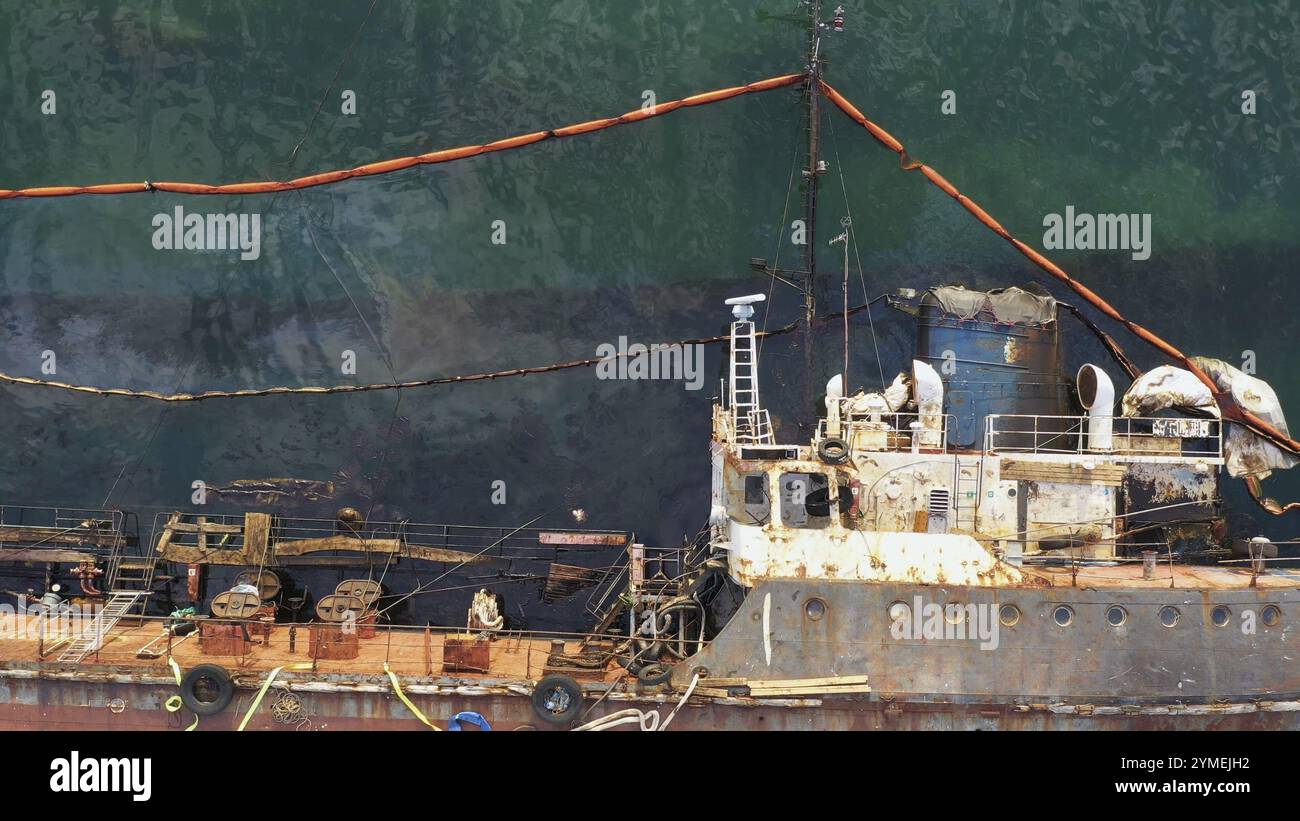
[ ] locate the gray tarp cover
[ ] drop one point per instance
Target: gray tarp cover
(1007, 304)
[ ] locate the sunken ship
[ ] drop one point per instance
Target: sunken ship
(986, 541)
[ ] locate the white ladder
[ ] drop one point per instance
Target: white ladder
(749, 422)
(968, 487)
(119, 604)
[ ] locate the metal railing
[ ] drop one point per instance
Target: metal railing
(648, 569)
(1131, 436)
(492, 542)
(93, 531)
(879, 431)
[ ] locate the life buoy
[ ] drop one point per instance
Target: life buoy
(833, 450)
(557, 699)
(225, 690)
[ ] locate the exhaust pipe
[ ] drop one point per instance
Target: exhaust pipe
(1097, 395)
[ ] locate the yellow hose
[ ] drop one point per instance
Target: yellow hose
(397, 686)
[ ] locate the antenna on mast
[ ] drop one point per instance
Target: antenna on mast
(845, 223)
(816, 167)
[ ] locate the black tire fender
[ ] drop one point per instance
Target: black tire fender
(833, 450)
(225, 689)
(557, 699)
(655, 674)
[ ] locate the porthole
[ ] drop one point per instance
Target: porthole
(1009, 615)
(954, 613)
(1063, 615)
(1116, 615)
(1221, 616)
(814, 609)
(1169, 616)
(899, 611)
(1271, 615)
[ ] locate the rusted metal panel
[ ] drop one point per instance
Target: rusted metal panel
(563, 580)
(334, 642)
(223, 639)
(467, 655)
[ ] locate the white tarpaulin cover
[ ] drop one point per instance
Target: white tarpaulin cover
(1166, 387)
(1246, 453)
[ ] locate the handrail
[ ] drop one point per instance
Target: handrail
(1046, 433)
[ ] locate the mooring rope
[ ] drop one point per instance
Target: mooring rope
(402, 163)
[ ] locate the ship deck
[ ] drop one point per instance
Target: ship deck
(407, 651)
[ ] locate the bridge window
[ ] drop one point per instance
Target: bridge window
(758, 505)
(805, 500)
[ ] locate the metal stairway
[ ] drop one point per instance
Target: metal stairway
(92, 636)
(752, 424)
(129, 582)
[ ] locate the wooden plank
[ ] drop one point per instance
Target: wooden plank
(52, 535)
(582, 538)
(723, 682)
(779, 692)
(806, 682)
(193, 555)
(711, 692)
(44, 554)
(301, 547)
(175, 524)
(439, 554)
(257, 536)
(1027, 471)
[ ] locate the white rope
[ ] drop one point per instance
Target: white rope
(686, 695)
(649, 721)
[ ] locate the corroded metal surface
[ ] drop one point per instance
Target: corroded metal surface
(1089, 658)
(31, 703)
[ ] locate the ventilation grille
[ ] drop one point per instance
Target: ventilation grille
(940, 501)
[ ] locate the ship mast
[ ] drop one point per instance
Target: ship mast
(810, 174)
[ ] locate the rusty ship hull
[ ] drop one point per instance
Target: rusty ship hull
(779, 664)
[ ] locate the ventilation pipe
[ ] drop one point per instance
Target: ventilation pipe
(834, 393)
(927, 388)
(1097, 395)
